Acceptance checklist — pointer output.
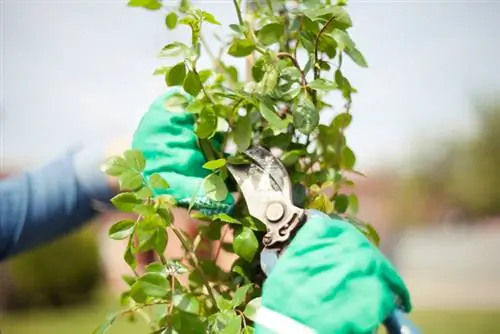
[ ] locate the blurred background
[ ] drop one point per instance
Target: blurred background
(426, 132)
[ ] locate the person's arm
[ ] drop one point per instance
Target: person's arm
(43, 204)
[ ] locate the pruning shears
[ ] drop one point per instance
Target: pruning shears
(267, 189)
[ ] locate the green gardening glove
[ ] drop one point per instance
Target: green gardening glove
(331, 279)
(169, 143)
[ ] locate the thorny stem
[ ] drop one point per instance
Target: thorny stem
(195, 262)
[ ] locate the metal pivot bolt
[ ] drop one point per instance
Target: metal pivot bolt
(275, 211)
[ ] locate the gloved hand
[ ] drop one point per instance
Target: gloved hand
(331, 279)
(169, 143)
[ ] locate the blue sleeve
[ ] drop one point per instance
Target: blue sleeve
(43, 204)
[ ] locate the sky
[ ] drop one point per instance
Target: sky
(81, 71)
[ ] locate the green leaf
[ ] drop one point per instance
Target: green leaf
(171, 20)
(240, 295)
(131, 180)
(342, 120)
(269, 81)
(207, 123)
(258, 69)
(186, 323)
(125, 201)
(214, 164)
(245, 244)
(291, 73)
(305, 115)
(253, 224)
(158, 182)
(343, 39)
(322, 203)
(176, 75)
(155, 267)
(215, 188)
(356, 56)
(186, 303)
(341, 203)
(192, 84)
(271, 33)
(233, 327)
(241, 48)
(106, 325)
(115, 166)
(174, 49)
(291, 157)
(251, 308)
(348, 158)
(242, 133)
(135, 159)
(267, 110)
(122, 229)
(353, 203)
(153, 285)
(129, 256)
(323, 84)
(208, 17)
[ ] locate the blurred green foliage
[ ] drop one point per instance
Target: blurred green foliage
(464, 175)
(63, 272)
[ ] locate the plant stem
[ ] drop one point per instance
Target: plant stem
(238, 11)
(295, 63)
(196, 264)
(316, 45)
(270, 5)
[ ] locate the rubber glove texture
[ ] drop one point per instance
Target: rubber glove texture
(167, 138)
(331, 279)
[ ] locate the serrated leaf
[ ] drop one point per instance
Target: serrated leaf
(271, 33)
(341, 203)
(125, 201)
(131, 180)
(158, 182)
(356, 56)
(207, 123)
(135, 159)
(241, 48)
(214, 164)
(323, 84)
(176, 75)
(251, 308)
(245, 244)
(240, 295)
(171, 20)
(342, 120)
(305, 115)
(266, 108)
(115, 166)
(122, 229)
(242, 133)
(192, 84)
(186, 303)
(215, 188)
